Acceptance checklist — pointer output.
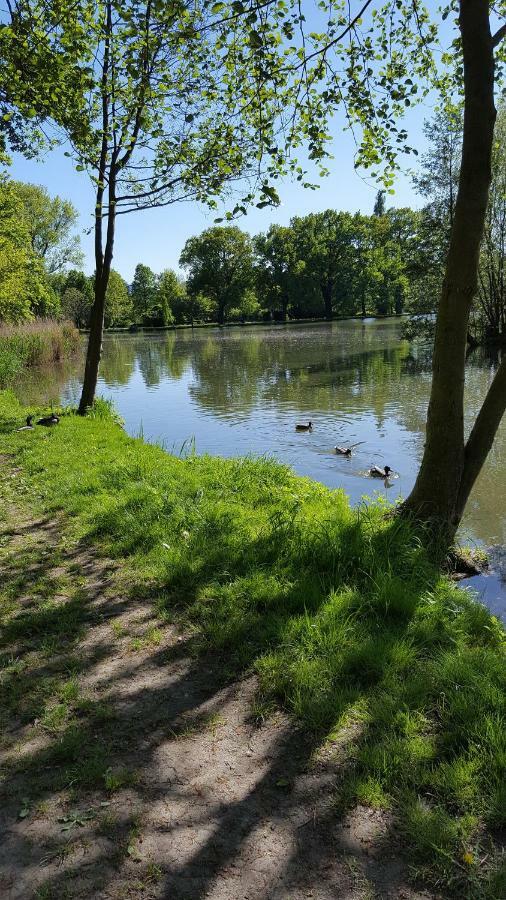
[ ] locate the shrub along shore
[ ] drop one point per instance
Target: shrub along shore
(41, 342)
(339, 612)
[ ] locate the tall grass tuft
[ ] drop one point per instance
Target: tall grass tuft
(41, 342)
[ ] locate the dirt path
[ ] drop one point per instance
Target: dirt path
(130, 770)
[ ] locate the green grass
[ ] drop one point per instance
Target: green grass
(41, 342)
(340, 613)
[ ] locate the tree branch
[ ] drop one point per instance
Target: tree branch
(483, 433)
(349, 27)
(499, 35)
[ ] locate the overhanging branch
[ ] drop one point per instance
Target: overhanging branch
(499, 35)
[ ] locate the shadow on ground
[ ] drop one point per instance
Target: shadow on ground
(131, 767)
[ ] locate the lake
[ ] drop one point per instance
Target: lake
(241, 390)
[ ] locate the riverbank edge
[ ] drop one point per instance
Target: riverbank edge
(339, 613)
(136, 329)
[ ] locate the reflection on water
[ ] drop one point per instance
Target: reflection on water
(241, 390)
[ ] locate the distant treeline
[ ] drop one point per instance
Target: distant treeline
(321, 265)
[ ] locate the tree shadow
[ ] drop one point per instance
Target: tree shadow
(186, 797)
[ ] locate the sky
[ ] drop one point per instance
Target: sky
(156, 237)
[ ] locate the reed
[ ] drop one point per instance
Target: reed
(36, 343)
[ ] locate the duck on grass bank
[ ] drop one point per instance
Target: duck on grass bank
(53, 419)
(308, 427)
(28, 426)
(378, 472)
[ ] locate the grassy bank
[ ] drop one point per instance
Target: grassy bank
(339, 611)
(41, 342)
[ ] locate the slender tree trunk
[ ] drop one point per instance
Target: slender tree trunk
(103, 263)
(446, 465)
(94, 351)
(103, 259)
(326, 289)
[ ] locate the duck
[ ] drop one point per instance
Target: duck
(347, 451)
(377, 472)
(308, 427)
(29, 424)
(53, 419)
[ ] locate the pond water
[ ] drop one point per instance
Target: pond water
(241, 390)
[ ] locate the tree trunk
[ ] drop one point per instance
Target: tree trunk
(94, 350)
(326, 289)
(437, 496)
(103, 259)
(103, 270)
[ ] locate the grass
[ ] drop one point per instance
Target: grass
(41, 342)
(339, 611)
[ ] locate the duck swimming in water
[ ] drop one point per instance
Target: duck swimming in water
(308, 427)
(347, 451)
(29, 424)
(49, 420)
(377, 472)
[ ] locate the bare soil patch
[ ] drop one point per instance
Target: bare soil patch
(130, 769)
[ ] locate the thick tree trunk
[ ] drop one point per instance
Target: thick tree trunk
(435, 496)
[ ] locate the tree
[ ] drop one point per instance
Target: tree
(450, 463)
(118, 302)
(51, 222)
(76, 306)
(248, 309)
(438, 177)
(170, 292)
(436, 181)
(379, 204)
(276, 268)
(76, 292)
(158, 102)
(24, 290)
(144, 293)
(220, 266)
(191, 308)
(492, 271)
(324, 245)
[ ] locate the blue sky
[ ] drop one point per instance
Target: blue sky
(156, 237)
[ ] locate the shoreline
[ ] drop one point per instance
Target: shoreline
(138, 329)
